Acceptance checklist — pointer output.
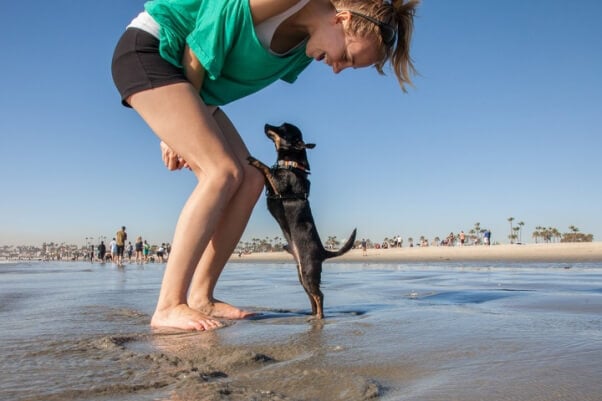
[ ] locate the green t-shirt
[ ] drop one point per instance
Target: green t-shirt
(222, 36)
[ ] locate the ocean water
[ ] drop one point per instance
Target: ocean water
(471, 331)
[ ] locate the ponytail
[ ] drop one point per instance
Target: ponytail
(401, 61)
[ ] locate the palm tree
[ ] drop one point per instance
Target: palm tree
(255, 244)
(386, 241)
(332, 241)
(520, 231)
(545, 234)
(511, 219)
(536, 234)
(575, 230)
(477, 229)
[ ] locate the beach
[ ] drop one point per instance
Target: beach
(460, 329)
(554, 252)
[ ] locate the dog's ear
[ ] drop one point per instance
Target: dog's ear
(300, 145)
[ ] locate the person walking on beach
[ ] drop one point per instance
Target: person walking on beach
(487, 237)
(160, 253)
(167, 250)
(130, 251)
(121, 237)
(102, 251)
(138, 248)
(113, 250)
(146, 251)
(180, 60)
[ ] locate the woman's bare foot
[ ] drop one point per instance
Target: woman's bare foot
(221, 310)
(185, 318)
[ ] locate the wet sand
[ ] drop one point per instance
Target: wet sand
(394, 331)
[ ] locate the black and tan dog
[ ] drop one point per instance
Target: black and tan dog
(287, 198)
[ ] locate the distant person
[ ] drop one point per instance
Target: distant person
(130, 251)
(462, 238)
(146, 251)
(121, 237)
(138, 248)
(91, 254)
(102, 251)
(161, 253)
(364, 247)
(113, 250)
(487, 237)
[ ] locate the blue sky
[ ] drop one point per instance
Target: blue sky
(505, 120)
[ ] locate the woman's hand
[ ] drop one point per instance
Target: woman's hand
(171, 159)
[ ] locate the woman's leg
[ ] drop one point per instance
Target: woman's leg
(228, 232)
(179, 117)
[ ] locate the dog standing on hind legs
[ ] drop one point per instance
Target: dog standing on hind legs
(287, 199)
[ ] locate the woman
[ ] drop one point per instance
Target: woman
(181, 59)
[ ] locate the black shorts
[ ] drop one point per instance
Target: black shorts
(138, 66)
(120, 249)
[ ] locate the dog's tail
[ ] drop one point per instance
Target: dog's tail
(344, 249)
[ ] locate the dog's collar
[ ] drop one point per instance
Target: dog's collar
(292, 165)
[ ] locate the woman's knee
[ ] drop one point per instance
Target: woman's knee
(226, 177)
(231, 177)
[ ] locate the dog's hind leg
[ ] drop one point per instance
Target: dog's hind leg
(317, 303)
(312, 300)
(311, 285)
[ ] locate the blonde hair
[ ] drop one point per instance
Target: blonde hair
(398, 14)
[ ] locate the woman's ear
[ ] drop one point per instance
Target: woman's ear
(342, 16)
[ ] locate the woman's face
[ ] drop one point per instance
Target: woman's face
(340, 50)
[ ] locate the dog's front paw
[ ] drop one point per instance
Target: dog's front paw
(259, 165)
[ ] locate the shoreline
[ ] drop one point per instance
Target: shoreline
(556, 252)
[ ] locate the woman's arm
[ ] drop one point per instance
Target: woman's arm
(195, 73)
(193, 69)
